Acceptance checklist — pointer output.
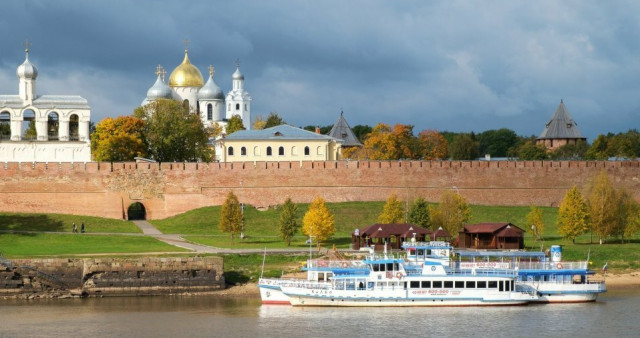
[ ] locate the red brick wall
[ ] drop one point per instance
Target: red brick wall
(106, 189)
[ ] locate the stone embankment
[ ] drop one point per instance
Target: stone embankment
(31, 278)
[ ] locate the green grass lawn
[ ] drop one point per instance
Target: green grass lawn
(63, 223)
(261, 229)
(33, 245)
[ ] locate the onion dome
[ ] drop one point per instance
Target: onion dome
(27, 70)
(237, 75)
(186, 74)
(210, 90)
(159, 90)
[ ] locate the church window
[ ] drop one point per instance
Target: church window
(306, 151)
(319, 151)
(229, 107)
(237, 106)
(269, 153)
(73, 128)
(281, 151)
(209, 112)
(230, 151)
(294, 151)
(29, 125)
(245, 106)
(5, 125)
(256, 151)
(52, 126)
(243, 151)
(185, 104)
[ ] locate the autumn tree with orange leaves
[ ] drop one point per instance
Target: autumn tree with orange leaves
(386, 143)
(433, 146)
(119, 139)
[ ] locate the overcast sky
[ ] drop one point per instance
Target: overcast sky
(444, 65)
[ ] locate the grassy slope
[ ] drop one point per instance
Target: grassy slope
(21, 245)
(63, 223)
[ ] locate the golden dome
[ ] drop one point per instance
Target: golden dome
(186, 74)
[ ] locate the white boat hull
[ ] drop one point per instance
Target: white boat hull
(550, 292)
(301, 297)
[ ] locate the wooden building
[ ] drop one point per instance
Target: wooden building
(491, 236)
(377, 235)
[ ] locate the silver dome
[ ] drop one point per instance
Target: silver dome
(159, 90)
(210, 91)
(27, 70)
(237, 75)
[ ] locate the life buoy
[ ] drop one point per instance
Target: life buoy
(398, 275)
(344, 265)
(559, 266)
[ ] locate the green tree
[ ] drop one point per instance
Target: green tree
(274, 120)
(318, 221)
(30, 133)
(361, 131)
(573, 215)
(119, 139)
(598, 150)
(497, 142)
(392, 212)
(530, 151)
(451, 213)
(419, 213)
(234, 124)
(464, 147)
(570, 151)
(231, 216)
(628, 215)
(603, 205)
(534, 219)
(172, 133)
(288, 223)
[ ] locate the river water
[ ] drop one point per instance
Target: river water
(615, 314)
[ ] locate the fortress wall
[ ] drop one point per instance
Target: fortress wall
(166, 189)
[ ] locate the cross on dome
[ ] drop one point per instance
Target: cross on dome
(158, 70)
(211, 70)
(26, 45)
(186, 45)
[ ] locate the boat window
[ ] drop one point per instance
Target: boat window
(471, 285)
(426, 284)
(482, 284)
(501, 288)
(389, 266)
(459, 284)
(428, 252)
(375, 267)
(493, 284)
(420, 252)
(437, 284)
(414, 284)
(404, 285)
(511, 288)
(412, 252)
(448, 284)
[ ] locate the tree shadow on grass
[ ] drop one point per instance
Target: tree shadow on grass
(30, 222)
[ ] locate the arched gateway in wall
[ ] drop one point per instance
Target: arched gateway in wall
(136, 212)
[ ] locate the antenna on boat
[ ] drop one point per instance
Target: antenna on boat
(264, 256)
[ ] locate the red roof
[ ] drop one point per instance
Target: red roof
(387, 230)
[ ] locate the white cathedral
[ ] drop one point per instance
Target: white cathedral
(186, 84)
(42, 128)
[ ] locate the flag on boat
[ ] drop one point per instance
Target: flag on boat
(604, 268)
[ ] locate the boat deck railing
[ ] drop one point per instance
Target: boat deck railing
(552, 265)
(336, 264)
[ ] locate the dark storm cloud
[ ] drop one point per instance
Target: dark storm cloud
(446, 65)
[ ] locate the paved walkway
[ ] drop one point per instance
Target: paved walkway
(149, 230)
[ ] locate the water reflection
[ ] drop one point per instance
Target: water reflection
(207, 316)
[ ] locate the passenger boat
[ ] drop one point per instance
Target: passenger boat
(554, 280)
(391, 281)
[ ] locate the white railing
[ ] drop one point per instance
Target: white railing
(552, 265)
